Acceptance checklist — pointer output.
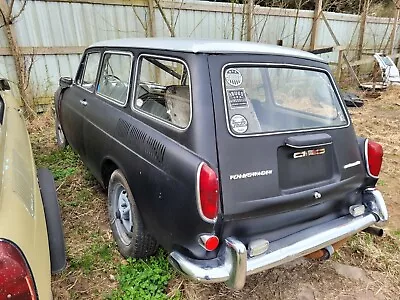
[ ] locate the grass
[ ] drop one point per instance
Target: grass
(145, 279)
(95, 269)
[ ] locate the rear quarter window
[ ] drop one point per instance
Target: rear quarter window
(273, 99)
(163, 90)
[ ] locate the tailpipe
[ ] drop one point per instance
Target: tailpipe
(374, 231)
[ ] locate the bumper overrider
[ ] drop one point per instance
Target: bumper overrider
(233, 264)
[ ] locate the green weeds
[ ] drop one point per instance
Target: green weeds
(144, 279)
(62, 163)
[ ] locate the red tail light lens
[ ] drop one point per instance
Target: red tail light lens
(374, 155)
(207, 192)
(16, 281)
(209, 242)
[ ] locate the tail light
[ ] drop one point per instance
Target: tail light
(16, 281)
(373, 158)
(207, 193)
(209, 242)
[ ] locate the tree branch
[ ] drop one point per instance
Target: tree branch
(170, 28)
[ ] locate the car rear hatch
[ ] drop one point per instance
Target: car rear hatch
(287, 152)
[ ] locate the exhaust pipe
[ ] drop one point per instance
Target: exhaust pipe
(374, 231)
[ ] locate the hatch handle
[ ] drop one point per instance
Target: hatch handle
(309, 140)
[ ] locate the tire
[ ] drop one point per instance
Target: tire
(55, 231)
(61, 140)
(126, 224)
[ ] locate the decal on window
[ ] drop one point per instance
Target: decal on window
(237, 98)
(233, 77)
(139, 102)
(239, 124)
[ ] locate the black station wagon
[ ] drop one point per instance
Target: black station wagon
(235, 157)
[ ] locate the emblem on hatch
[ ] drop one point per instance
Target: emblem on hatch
(306, 153)
(250, 174)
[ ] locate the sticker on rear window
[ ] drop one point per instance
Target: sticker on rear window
(237, 98)
(233, 77)
(239, 124)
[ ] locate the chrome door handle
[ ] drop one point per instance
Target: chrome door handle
(83, 102)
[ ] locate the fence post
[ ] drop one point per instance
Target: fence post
(249, 19)
(339, 66)
(150, 23)
(394, 31)
(363, 23)
(315, 25)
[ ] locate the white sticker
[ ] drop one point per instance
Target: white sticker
(239, 124)
(233, 77)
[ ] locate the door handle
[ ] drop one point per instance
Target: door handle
(83, 102)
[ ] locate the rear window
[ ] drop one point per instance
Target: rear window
(273, 99)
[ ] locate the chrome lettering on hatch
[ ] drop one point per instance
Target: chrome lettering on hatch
(250, 175)
(306, 153)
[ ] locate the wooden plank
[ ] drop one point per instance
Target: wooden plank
(322, 50)
(249, 19)
(394, 31)
(197, 6)
(339, 66)
(315, 25)
(151, 19)
(45, 50)
(226, 7)
(361, 32)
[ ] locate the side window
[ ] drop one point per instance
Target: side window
(115, 77)
(90, 72)
(163, 90)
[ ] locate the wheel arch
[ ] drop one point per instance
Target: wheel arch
(108, 166)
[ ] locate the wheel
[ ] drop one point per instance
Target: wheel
(127, 227)
(62, 142)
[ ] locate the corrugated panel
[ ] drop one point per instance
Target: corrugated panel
(55, 24)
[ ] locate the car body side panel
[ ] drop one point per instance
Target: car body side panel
(160, 171)
(22, 219)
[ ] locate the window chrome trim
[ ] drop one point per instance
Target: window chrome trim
(142, 112)
(79, 84)
(117, 52)
(301, 67)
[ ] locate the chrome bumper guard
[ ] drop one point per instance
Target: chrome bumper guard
(234, 265)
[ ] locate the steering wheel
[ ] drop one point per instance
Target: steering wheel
(112, 78)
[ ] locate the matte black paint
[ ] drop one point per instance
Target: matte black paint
(160, 162)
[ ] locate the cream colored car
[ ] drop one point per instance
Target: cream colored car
(31, 236)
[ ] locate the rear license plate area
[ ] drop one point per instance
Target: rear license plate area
(304, 166)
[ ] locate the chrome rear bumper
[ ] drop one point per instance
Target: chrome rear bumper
(234, 264)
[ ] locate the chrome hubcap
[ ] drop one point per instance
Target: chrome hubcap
(124, 213)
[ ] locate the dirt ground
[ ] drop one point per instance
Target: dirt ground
(366, 268)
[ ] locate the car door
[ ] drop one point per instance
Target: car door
(105, 107)
(75, 101)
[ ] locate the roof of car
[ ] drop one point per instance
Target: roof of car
(206, 46)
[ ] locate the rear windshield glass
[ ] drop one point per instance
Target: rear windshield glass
(275, 99)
